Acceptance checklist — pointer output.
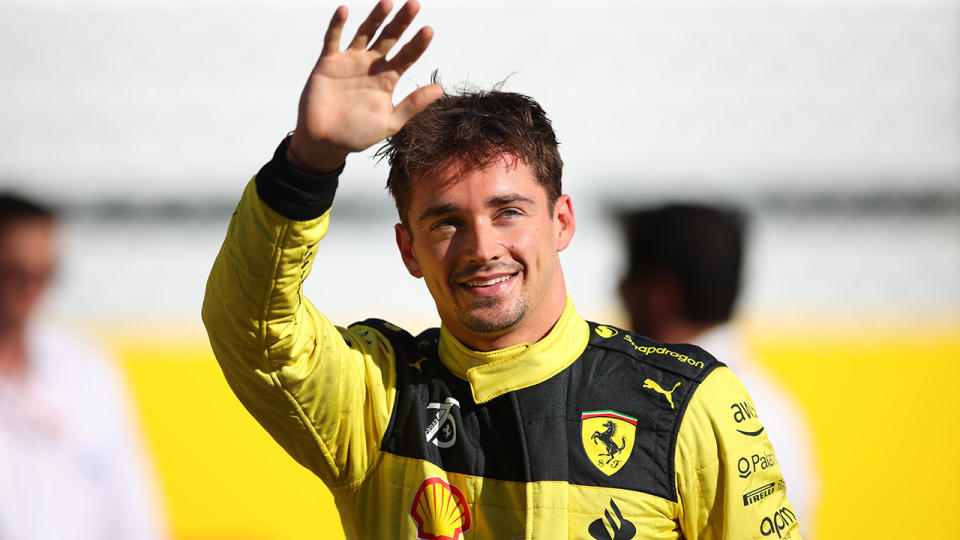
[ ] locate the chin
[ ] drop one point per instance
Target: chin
(492, 318)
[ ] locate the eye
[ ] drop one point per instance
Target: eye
(510, 213)
(444, 225)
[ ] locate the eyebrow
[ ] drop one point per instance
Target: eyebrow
(493, 202)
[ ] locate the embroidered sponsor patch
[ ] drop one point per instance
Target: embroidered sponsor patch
(440, 510)
(607, 438)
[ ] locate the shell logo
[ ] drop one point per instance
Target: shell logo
(440, 510)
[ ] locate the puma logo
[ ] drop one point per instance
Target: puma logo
(417, 364)
(652, 385)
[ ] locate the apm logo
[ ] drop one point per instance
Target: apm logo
(621, 528)
(745, 412)
(778, 523)
(442, 429)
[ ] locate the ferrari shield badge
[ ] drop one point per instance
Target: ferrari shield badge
(607, 438)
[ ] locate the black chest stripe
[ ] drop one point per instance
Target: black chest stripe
(609, 420)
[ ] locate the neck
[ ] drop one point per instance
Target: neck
(13, 349)
(682, 332)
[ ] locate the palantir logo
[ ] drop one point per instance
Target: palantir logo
(747, 466)
(778, 523)
(442, 429)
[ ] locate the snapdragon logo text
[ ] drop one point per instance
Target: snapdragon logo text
(664, 351)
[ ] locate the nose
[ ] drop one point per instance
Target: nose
(482, 243)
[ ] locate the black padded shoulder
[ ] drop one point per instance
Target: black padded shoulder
(402, 341)
(688, 361)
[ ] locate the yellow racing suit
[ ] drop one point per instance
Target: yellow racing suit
(592, 432)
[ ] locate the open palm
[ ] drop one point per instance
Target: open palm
(347, 103)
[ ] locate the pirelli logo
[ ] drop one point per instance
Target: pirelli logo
(763, 492)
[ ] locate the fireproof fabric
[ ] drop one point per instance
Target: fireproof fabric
(592, 432)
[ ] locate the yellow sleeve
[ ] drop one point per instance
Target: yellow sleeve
(728, 481)
(324, 393)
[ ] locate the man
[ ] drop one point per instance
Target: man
(681, 285)
(71, 463)
(516, 418)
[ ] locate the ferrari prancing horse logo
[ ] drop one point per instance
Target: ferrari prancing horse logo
(607, 438)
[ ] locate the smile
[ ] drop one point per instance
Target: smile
(487, 282)
(488, 286)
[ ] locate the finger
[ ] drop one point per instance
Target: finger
(414, 104)
(371, 24)
(331, 40)
(392, 31)
(410, 52)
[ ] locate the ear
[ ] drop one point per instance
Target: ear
(405, 244)
(566, 223)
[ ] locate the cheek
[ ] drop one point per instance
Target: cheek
(433, 263)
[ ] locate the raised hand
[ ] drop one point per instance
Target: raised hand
(347, 103)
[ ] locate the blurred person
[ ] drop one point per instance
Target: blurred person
(681, 285)
(516, 418)
(71, 462)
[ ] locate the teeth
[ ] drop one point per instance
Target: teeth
(487, 283)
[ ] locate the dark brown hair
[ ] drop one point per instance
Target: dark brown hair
(15, 207)
(701, 245)
(474, 128)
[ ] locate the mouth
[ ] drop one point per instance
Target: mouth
(488, 285)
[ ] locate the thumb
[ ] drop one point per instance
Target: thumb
(414, 104)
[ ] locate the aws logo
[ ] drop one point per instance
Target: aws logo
(440, 510)
(747, 419)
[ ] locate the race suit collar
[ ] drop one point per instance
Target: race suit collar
(493, 373)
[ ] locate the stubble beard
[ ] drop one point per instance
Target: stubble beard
(491, 319)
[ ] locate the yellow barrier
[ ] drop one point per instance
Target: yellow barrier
(224, 477)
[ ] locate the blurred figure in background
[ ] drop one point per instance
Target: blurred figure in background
(71, 463)
(681, 285)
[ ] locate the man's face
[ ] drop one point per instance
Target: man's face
(487, 244)
(28, 256)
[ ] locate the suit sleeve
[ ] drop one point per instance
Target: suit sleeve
(728, 480)
(323, 392)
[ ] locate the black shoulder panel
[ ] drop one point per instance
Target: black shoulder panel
(400, 339)
(688, 361)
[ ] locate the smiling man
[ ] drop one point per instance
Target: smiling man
(516, 418)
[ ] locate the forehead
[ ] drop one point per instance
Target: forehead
(457, 182)
(27, 237)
